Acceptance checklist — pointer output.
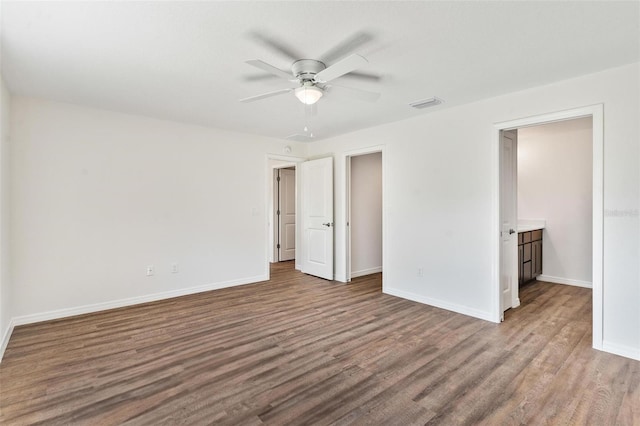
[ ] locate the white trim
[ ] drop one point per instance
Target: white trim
(97, 307)
(622, 350)
(363, 272)
(363, 151)
(598, 226)
(293, 161)
(340, 278)
(347, 230)
(496, 296)
(565, 281)
(5, 338)
(464, 310)
(597, 114)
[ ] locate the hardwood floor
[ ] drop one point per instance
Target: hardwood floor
(301, 350)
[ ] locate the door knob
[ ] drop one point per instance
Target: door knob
(511, 231)
(328, 224)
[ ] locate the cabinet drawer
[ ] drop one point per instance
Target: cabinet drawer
(536, 235)
(526, 237)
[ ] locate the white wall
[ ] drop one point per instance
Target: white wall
(97, 196)
(438, 204)
(366, 214)
(555, 184)
(5, 170)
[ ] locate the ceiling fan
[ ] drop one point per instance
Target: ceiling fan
(312, 77)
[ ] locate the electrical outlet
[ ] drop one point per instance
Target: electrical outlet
(174, 268)
(420, 272)
(150, 270)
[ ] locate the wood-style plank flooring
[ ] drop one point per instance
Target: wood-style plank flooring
(301, 350)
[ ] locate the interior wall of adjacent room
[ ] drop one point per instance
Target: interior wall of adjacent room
(555, 184)
(5, 169)
(366, 214)
(438, 204)
(98, 196)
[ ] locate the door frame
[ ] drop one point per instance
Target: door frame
(596, 112)
(346, 156)
(274, 254)
(287, 161)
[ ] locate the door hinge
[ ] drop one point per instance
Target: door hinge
(278, 179)
(278, 212)
(278, 246)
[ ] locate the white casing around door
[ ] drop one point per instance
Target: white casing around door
(287, 216)
(317, 208)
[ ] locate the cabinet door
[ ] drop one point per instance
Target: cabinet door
(527, 272)
(537, 258)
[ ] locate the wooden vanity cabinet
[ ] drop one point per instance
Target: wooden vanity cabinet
(529, 255)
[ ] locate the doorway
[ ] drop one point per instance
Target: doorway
(505, 208)
(285, 213)
(364, 210)
(273, 163)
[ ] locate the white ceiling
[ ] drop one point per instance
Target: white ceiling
(184, 61)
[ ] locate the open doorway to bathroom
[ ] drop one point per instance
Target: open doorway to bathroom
(550, 206)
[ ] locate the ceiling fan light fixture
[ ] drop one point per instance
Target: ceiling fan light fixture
(308, 94)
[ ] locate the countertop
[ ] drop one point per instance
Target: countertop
(526, 225)
(527, 228)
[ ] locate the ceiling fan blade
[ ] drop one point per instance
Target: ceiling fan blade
(266, 95)
(363, 76)
(276, 45)
(271, 69)
(259, 77)
(363, 95)
(340, 68)
(346, 46)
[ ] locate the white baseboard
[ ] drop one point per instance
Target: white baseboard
(464, 310)
(622, 350)
(96, 307)
(566, 281)
(5, 338)
(363, 272)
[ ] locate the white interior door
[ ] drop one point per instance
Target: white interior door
(317, 207)
(508, 220)
(287, 214)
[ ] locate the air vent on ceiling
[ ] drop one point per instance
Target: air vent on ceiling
(426, 103)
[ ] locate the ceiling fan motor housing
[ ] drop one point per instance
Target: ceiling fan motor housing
(306, 69)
